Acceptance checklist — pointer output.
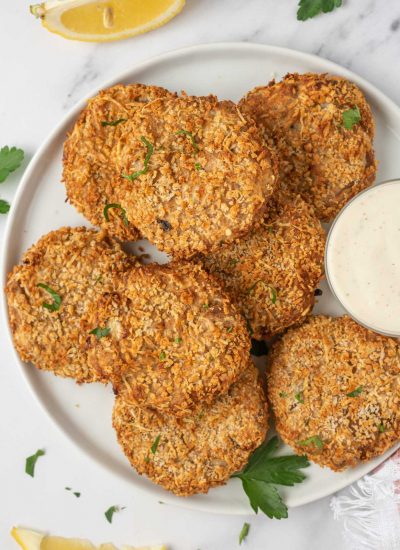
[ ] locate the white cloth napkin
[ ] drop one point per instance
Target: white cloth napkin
(370, 509)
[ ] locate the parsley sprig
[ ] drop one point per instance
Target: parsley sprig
(150, 151)
(100, 332)
(111, 511)
(311, 8)
(264, 471)
(351, 117)
(10, 160)
(55, 306)
(30, 462)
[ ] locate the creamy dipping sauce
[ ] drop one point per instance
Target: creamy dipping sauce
(362, 258)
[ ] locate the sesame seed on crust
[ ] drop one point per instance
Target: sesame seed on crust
(78, 264)
(89, 174)
(175, 339)
(302, 117)
(200, 451)
(334, 389)
(272, 273)
(207, 180)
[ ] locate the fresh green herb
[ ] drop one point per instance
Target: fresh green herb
(113, 122)
(30, 462)
(163, 356)
(4, 206)
(147, 459)
(198, 166)
(244, 532)
(111, 511)
(283, 394)
(270, 230)
(311, 8)
(74, 493)
(351, 117)
(315, 440)
(258, 348)
(264, 471)
(98, 279)
(206, 306)
(272, 290)
(229, 329)
(381, 428)
(150, 151)
(10, 160)
(356, 392)
(299, 397)
(100, 332)
(55, 306)
(156, 442)
(178, 340)
(191, 137)
(233, 261)
(249, 327)
(115, 205)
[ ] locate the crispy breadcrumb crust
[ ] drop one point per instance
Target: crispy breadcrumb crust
(176, 341)
(89, 173)
(209, 177)
(78, 264)
(199, 451)
(272, 273)
(313, 368)
(319, 158)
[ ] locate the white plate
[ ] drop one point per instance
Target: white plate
(228, 70)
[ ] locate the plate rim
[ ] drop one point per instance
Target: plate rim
(176, 53)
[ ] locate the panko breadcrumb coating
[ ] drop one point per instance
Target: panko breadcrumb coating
(89, 173)
(201, 175)
(334, 388)
(272, 273)
(78, 264)
(175, 339)
(302, 116)
(192, 454)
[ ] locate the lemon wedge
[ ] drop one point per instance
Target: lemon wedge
(105, 20)
(32, 540)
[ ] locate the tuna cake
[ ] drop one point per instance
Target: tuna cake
(192, 454)
(175, 340)
(194, 174)
(89, 172)
(334, 389)
(322, 128)
(272, 273)
(58, 278)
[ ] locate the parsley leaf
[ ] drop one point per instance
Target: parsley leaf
(150, 151)
(311, 8)
(4, 206)
(55, 306)
(299, 397)
(356, 392)
(264, 471)
(113, 122)
(111, 511)
(351, 117)
(10, 160)
(271, 289)
(381, 428)
(73, 492)
(115, 205)
(313, 440)
(244, 532)
(156, 442)
(100, 332)
(30, 462)
(191, 137)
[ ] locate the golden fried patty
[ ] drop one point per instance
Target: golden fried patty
(59, 277)
(273, 271)
(334, 387)
(193, 173)
(192, 454)
(175, 340)
(89, 173)
(302, 116)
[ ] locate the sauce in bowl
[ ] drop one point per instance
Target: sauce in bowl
(362, 258)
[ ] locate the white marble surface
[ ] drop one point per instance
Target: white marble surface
(42, 76)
